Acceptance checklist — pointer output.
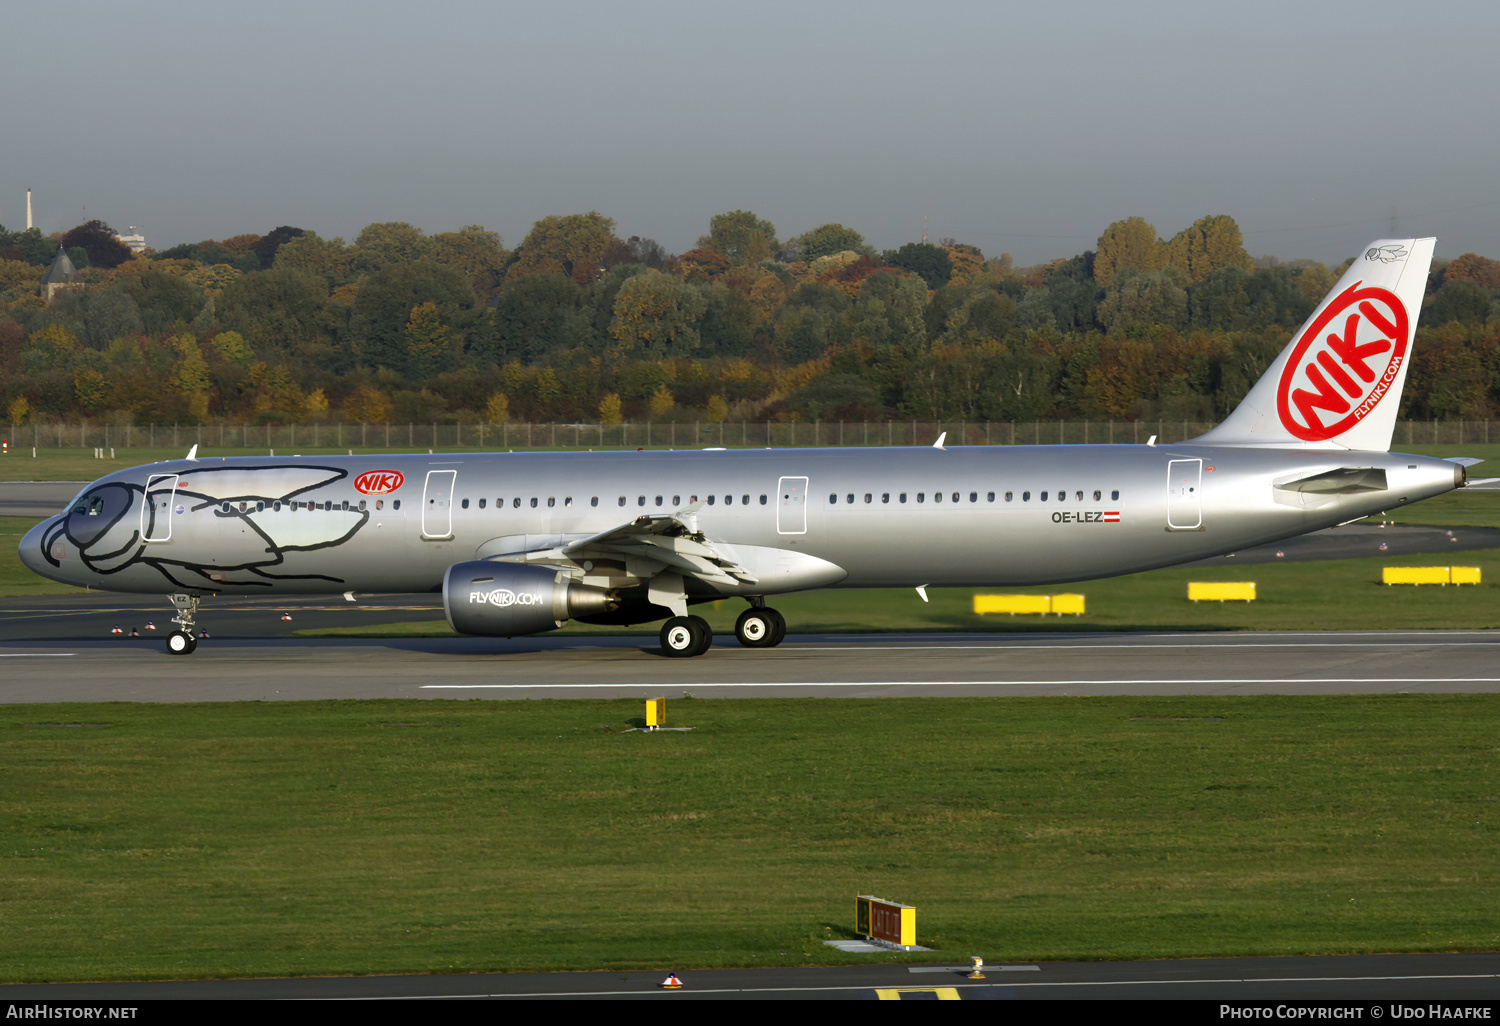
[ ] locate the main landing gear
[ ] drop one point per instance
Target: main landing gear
(757, 627)
(181, 641)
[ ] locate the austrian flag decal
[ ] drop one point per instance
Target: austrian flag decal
(1343, 364)
(379, 482)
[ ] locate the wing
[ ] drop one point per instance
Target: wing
(651, 545)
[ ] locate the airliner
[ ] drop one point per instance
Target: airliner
(520, 543)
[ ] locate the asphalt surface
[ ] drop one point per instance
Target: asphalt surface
(1471, 980)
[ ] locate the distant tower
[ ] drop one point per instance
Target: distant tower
(28, 210)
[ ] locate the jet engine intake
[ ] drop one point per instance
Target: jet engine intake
(509, 599)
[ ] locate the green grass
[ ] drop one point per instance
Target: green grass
(268, 839)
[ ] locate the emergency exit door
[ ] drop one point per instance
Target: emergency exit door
(791, 505)
(1185, 495)
(437, 505)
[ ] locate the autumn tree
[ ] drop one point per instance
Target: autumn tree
(1208, 244)
(1475, 268)
(1130, 243)
(740, 236)
(656, 312)
(573, 245)
(928, 262)
(824, 241)
(474, 251)
(100, 242)
(266, 248)
(427, 341)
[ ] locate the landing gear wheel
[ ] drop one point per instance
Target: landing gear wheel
(760, 628)
(181, 643)
(686, 636)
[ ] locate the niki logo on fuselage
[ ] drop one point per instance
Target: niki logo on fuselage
(1332, 380)
(379, 482)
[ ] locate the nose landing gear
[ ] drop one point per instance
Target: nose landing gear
(181, 641)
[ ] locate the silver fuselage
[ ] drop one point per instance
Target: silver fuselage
(797, 518)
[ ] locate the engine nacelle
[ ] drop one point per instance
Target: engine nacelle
(508, 599)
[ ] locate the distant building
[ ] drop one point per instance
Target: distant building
(135, 240)
(61, 275)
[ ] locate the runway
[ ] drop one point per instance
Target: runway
(845, 665)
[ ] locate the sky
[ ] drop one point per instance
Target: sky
(1021, 128)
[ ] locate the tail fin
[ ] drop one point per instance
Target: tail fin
(1338, 383)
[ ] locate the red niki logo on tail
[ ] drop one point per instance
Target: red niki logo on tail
(379, 482)
(1331, 381)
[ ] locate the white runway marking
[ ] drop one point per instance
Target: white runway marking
(952, 683)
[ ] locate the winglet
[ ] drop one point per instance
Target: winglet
(941, 438)
(192, 454)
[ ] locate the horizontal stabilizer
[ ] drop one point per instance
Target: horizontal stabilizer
(1343, 481)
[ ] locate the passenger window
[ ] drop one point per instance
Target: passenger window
(1008, 496)
(379, 504)
(533, 502)
(622, 500)
(516, 502)
(1026, 496)
(481, 503)
(658, 500)
(676, 501)
(868, 498)
(594, 501)
(1080, 496)
(361, 504)
(885, 496)
(903, 497)
(974, 496)
(762, 499)
(1097, 495)
(567, 501)
(850, 498)
(936, 497)
(395, 504)
(729, 500)
(551, 502)
(464, 504)
(1044, 497)
(641, 501)
(745, 500)
(833, 499)
(955, 496)
(243, 507)
(711, 499)
(1114, 494)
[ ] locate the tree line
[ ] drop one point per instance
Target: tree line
(575, 324)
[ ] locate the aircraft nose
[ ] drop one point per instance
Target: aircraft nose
(31, 550)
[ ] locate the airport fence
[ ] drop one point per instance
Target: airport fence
(658, 435)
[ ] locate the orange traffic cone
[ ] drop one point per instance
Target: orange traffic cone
(671, 982)
(117, 630)
(134, 633)
(150, 625)
(287, 617)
